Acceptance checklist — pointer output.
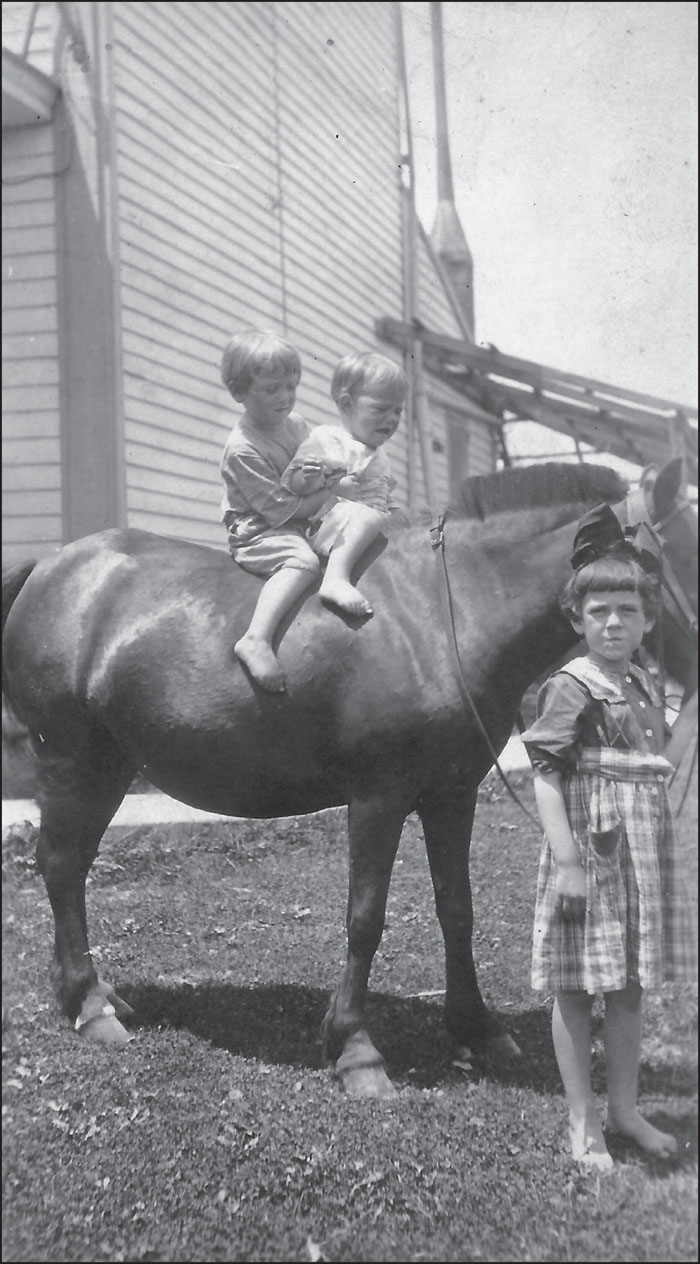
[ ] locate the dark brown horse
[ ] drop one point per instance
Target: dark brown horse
(118, 656)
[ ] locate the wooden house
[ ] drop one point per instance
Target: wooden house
(173, 172)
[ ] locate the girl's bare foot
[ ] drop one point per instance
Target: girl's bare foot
(338, 592)
(636, 1128)
(259, 658)
(588, 1145)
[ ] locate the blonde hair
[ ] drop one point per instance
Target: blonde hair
(256, 351)
(367, 368)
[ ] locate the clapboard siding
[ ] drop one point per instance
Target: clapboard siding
(28, 215)
(28, 414)
(15, 28)
(47, 499)
(248, 157)
(30, 379)
(32, 478)
(206, 238)
(30, 536)
(29, 344)
(341, 211)
(180, 460)
(31, 400)
(23, 455)
(237, 207)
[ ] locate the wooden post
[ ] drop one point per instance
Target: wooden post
(447, 236)
(418, 413)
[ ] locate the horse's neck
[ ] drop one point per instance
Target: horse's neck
(522, 564)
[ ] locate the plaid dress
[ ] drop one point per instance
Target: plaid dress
(604, 737)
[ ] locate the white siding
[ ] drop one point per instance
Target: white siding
(16, 19)
(31, 462)
(255, 181)
(257, 185)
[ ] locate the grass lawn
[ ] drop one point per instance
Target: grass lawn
(217, 1134)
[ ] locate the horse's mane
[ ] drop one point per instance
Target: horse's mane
(532, 486)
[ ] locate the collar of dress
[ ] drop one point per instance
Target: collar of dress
(602, 688)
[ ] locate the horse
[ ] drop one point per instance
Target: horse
(118, 657)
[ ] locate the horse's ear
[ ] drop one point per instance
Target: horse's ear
(665, 488)
(647, 478)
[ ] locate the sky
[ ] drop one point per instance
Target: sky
(573, 135)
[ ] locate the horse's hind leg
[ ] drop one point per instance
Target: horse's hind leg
(447, 825)
(375, 823)
(79, 794)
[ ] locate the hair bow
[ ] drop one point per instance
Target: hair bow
(599, 534)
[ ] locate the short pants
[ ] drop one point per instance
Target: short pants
(267, 554)
(326, 532)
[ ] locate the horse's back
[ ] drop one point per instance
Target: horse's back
(135, 632)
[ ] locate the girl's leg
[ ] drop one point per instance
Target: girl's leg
(277, 596)
(571, 1033)
(359, 529)
(623, 1048)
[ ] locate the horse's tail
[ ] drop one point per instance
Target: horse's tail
(13, 580)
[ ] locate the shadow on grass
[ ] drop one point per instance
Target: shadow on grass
(281, 1024)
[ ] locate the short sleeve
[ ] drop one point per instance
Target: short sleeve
(323, 444)
(552, 741)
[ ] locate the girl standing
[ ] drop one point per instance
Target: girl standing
(612, 913)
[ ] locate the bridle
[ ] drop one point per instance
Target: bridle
(675, 598)
(632, 510)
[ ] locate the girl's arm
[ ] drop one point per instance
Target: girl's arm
(683, 731)
(570, 878)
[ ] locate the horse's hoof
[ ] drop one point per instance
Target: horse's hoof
(365, 1081)
(504, 1046)
(121, 1009)
(105, 1030)
(97, 1021)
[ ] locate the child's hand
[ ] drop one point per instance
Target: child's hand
(307, 478)
(348, 487)
(571, 893)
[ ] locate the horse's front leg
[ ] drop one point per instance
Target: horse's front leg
(447, 825)
(375, 823)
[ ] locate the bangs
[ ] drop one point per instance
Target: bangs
(386, 374)
(611, 573)
(364, 369)
(608, 574)
(273, 358)
(252, 353)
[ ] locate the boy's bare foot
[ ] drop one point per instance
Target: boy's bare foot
(588, 1145)
(636, 1128)
(337, 592)
(259, 658)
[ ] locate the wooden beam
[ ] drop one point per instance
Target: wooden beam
(492, 361)
(591, 408)
(600, 431)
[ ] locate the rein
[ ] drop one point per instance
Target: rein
(437, 538)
